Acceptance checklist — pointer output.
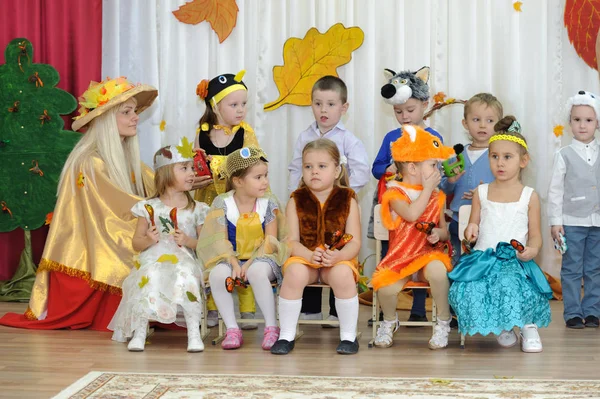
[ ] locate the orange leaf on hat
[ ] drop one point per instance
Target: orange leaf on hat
(307, 60)
(582, 20)
(202, 89)
(221, 14)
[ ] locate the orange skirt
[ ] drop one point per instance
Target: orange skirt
(353, 265)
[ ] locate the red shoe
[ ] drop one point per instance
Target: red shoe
(270, 336)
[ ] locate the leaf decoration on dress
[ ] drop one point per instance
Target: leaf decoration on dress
(168, 258)
(307, 60)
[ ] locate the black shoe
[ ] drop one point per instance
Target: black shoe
(380, 319)
(575, 323)
(348, 347)
(592, 321)
(282, 347)
(454, 323)
(416, 317)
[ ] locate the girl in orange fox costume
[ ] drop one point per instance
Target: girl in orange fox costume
(413, 211)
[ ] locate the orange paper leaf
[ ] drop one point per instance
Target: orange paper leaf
(306, 60)
(439, 97)
(49, 218)
(221, 14)
(582, 19)
(558, 130)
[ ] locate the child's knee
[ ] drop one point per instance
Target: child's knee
(436, 271)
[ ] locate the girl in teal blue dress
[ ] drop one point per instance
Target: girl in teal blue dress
(498, 286)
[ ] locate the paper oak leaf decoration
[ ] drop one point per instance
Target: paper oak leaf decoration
(582, 20)
(308, 59)
(221, 14)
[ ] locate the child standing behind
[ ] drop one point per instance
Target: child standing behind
(498, 286)
(322, 206)
(240, 241)
(482, 112)
(329, 103)
(405, 205)
(168, 271)
(408, 93)
(574, 212)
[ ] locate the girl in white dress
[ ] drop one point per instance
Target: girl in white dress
(167, 275)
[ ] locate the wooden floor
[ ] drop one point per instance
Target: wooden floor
(37, 364)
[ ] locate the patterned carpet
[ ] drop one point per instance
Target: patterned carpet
(170, 386)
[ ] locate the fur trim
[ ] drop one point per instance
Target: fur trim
(385, 277)
(387, 219)
(404, 85)
(47, 265)
(418, 145)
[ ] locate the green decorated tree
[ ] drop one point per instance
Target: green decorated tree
(33, 150)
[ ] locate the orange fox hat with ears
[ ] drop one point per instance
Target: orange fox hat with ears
(418, 145)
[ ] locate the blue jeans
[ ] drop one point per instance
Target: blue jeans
(582, 260)
(419, 296)
(455, 241)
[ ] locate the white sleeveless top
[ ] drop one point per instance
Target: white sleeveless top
(502, 221)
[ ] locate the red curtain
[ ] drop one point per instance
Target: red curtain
(66, 34)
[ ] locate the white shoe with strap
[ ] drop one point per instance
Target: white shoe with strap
(385, 333)
(439, 339)
(530, 339)
(507, 339)
(138, 342)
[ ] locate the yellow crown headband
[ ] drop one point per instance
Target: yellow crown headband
(515, 127)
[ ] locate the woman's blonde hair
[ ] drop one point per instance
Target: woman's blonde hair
(121, 157)
(331, 148)
(164, 177)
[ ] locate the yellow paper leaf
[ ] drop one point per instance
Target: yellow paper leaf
(168, 258)
(143, 281)
(186, 149)
(558, 130)
(308, 59)
(162, 125)
(517, 6)
(80, 180)
(438, 381)
(221, 14)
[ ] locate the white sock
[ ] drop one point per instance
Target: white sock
(223, 299)
(260, 275)
(289, 311)
(347, 310)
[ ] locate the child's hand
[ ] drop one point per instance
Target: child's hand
(201, 181)
(236, 271)
(331, 258)
(456, 177)
(244, 271)
(180, 238)
(434, 237)
(556, 230)
(528, 254)
(472, 232)
(468, 195)
(153, 234)
(317, 256)
(432, 181)
(392, 168)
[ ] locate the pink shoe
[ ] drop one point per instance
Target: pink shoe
(270, 336)
(233, 339)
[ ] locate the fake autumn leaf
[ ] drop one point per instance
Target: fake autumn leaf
(221, 14)
(80, 180)
(582, 20)
(48, 218)
(186, 149)
(162, 125)
(308, 59)
(439, 97)
(191, 297)
(517, 6)
(168, 258)
(143, 281)
(558, 130)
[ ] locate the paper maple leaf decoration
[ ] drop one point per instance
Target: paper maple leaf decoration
(582, 20)
(186, 149)
(308, 59)
(517, 6)
(221, 14)
(558, 130)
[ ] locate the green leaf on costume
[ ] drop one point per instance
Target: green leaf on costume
(191, 297)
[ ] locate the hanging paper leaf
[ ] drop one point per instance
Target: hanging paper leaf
(168, 258)
(517, 6)
(186, 149)
(558, 130)
(162, 125)
(221, 14)
(191, 297)
(306, 60)
(582, 20)
(143, 281)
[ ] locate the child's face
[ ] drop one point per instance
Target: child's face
(425, 168)
(232, 108)
(411, 112)
(327, 108)
(506, 161)
(480, 123)
(319, 170)
(583, 123)
(256, 182)
(127, 119)
(184, 176)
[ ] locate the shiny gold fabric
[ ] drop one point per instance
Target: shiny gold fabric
(91, 233)
(210, 192)
(214, 247)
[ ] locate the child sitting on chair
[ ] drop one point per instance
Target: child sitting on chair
(413, 211)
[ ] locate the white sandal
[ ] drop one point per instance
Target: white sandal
(530, 339)
(507, 339)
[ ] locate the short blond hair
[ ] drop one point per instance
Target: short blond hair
(486, 99)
